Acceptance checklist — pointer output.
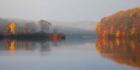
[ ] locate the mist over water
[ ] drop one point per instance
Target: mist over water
(78, 51)
(61, 35)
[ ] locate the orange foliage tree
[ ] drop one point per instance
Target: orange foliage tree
(123, 23)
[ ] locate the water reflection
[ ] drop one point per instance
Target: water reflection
(21, 45)
(16, 46)
(122, 51)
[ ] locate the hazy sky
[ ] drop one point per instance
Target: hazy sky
(63, 10)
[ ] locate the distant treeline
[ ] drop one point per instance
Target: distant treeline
(24, 26)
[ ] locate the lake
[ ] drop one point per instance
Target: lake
(85, 53)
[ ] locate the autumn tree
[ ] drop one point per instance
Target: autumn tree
(125, 23)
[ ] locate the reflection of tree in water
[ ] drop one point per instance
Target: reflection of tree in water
(45, 47)
(16, 45)
(122, 51)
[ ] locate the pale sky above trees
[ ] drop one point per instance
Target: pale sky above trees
(63, 10)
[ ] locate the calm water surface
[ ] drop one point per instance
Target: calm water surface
(69, 54)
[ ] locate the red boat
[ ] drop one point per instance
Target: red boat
(56, 37)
